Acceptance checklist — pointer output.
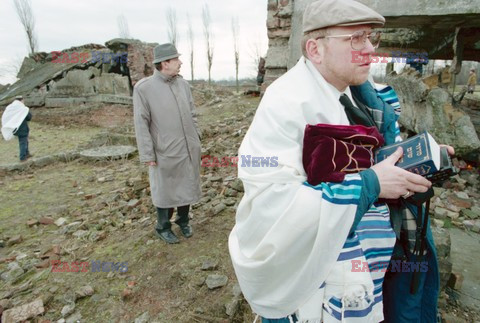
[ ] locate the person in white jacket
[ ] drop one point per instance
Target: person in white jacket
(15, 120)
(295, 246)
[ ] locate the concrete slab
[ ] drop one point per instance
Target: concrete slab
(464, 253)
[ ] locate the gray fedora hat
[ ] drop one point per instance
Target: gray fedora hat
(164, 52)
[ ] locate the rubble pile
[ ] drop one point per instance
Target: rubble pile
(85, 74)
(115, 203)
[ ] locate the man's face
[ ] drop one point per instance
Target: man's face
(172, 67)
(341, 65)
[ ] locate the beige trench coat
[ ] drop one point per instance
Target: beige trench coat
(167, 132)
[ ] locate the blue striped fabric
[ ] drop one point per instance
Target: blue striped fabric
(397, 132)
(374, 239)
(388, 95)
(346, 192)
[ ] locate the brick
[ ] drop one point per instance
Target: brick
(455, 281)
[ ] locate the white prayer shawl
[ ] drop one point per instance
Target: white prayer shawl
(287, 239)
(12, 118)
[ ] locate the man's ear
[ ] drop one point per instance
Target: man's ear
(314, 51)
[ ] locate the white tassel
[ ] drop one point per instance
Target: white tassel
(290, 319)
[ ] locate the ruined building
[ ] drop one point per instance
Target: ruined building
(85, 74)
(443, 29)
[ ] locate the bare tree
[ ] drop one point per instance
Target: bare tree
(207, 31)
(123, 29)
(235, 34)
(191, 42)
(10, 69)
(172, 25)
(25, 14)
(255, 53)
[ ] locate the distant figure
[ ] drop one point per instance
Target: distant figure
(15, 122)
(472, 81)
(261, 71)
(168, 140)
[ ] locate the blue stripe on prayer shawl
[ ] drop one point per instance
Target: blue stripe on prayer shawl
(373, 227)
(374, 252)
(375, 234)
(378, 281)
(350, 255)
(347, 192)
(386, 89)
(350, 244)
(379, 265)
(378, 224)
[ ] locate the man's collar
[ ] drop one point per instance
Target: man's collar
(321, 80)
(163, 77)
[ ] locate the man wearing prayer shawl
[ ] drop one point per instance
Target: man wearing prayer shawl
(318, 252)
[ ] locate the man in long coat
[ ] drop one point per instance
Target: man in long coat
(168, 140)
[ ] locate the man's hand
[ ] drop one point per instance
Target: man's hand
(151, 163)
(396, 182)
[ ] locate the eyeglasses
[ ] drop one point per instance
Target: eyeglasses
(358, 39)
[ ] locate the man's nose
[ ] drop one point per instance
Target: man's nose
(369, 49)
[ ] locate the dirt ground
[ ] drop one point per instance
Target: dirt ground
(108, 217)
(167, 281)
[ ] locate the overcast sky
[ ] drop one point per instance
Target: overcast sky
(63, 24)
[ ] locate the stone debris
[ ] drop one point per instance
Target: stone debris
(13, 272)
(219, 208)
(110, 208)
(443, 245)
(84, 291)
(144, 318)
(68, 309)
(74, 318)
(45, 80)
(46, 220)
(455, 281)
(32, 222)
(14, 240)
(216, 281)
(209, 265)
(23, 312)
(60, 222)
(108, 152)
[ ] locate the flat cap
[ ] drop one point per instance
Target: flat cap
(328, 13)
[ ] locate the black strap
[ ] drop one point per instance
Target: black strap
(419, 199)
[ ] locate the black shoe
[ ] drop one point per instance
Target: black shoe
(186, 231)
(168, 236)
